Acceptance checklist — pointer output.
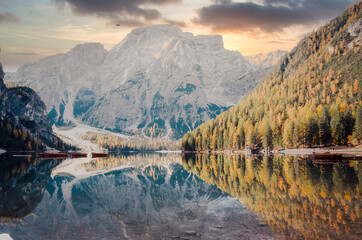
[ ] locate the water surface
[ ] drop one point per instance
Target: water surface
(298, 199)
(169, 196)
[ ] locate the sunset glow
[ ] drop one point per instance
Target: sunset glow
(31, 30)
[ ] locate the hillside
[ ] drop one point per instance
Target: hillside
(158, 81)
(23, 121)
(312, 98)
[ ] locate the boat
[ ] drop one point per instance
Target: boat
(53, 155)
(331, 156)
(79, 155)
(96, 155)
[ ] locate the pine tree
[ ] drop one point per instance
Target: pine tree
(337, 127)
(267, 136)
(288, 133)
(213, 143)
(358, 124)
(324, 128)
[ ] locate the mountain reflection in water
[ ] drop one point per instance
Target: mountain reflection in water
(296, 198)
(22, 184)
(121, 197)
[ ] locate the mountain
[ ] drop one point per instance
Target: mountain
(312, 98)
(266, 60)
(23, 120)
(157, 81)
(57, 78)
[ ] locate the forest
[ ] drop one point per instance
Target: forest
(17, 138)
(14, 138)
(313, 97)
(289, 193)
(134, 143)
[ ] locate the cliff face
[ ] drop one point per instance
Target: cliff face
(30, 111)
(3, 91)
(22, 109)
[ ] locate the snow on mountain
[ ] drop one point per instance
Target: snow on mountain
(266, 59)
(157, 81)
(23, 109)
(58, 77)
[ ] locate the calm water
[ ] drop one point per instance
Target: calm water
(179, 197)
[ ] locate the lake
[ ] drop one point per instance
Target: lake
(174, 196)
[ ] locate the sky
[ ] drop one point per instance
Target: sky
(33, 29)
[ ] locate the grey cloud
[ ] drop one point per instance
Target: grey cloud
(271, 16)
(222, 1)
(119, 12)
(180, 24)
(124, 22)
(8, 17)
(4, 5)
(289, 3)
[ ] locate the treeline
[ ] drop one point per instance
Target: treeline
(295, 197)
(13, 137)
(313, 98)
(114, 143)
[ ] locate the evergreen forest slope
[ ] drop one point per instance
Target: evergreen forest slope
(312, 98)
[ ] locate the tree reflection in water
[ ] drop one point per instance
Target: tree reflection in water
(137, 196)
(295, 197)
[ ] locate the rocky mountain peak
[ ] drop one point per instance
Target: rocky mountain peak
(22, 108)
(266, 59)
(82, 50)
(158, 78)
(152, 38)
(91, 53)
(156, 30)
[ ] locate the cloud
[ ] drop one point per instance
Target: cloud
(119, 12)
(269, 17)
(3, 5)
(275, 42)
(180, 24)
(26, 53)
(8, 17)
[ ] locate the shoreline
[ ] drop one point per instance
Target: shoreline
(309, 151)
(291, 152)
